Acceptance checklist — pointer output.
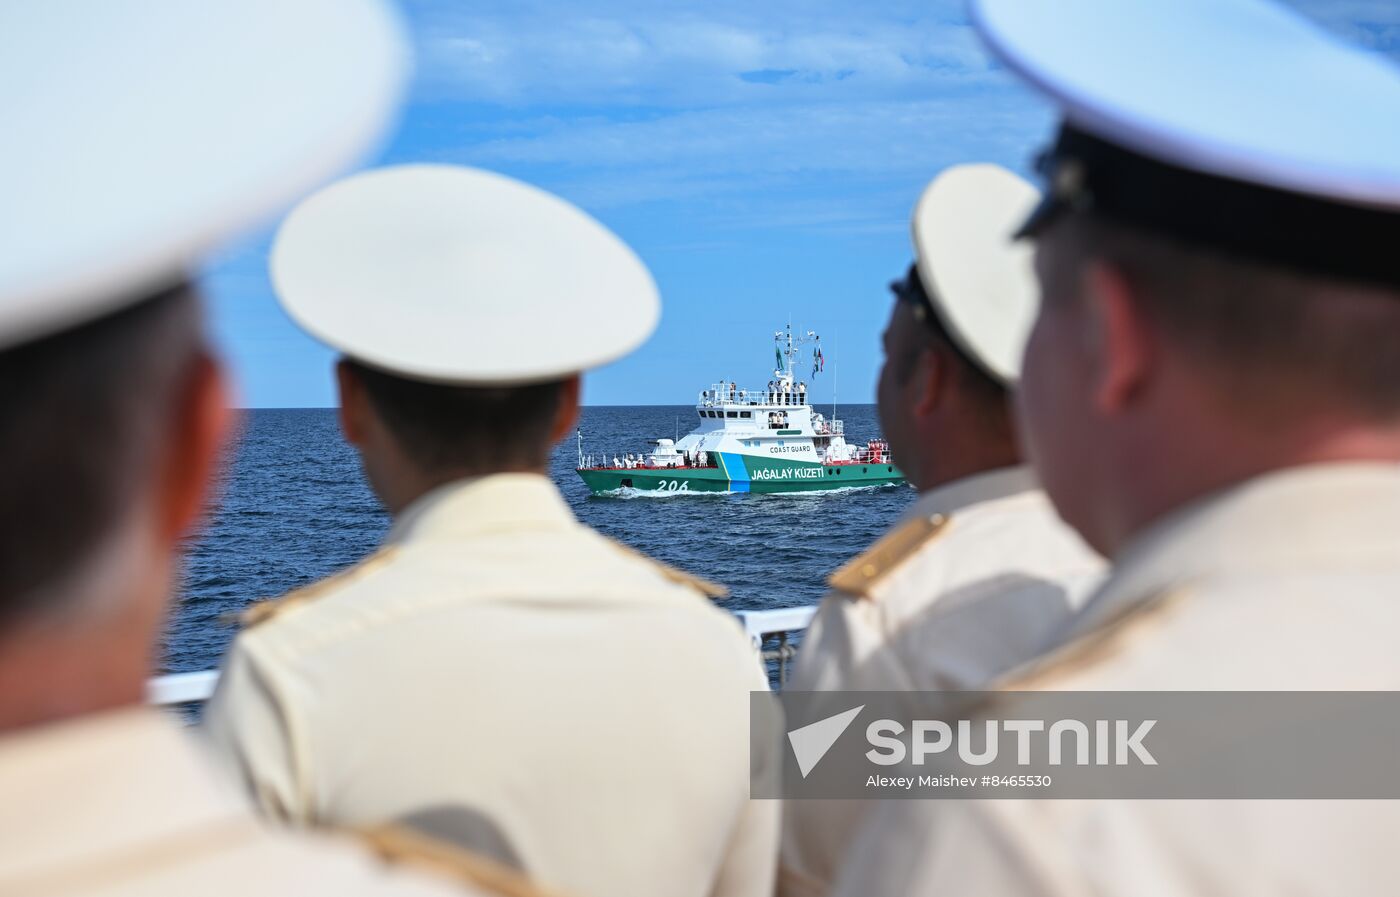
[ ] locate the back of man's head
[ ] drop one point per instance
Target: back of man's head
(85, 421)
(449, 432)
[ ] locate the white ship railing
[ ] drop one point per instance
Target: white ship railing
(182, 688)
(759, 625)
(719, 395)
(775, 628)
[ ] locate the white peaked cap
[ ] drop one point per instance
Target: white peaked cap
(140, 134)
(1244, 89)
(978, 279)
(1237, 126)
(455, 275)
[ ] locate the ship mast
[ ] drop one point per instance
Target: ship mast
(787, 345)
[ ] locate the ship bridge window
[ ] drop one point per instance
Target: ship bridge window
(748, 414)
(731, 414)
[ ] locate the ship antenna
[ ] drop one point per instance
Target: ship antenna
(835, 371)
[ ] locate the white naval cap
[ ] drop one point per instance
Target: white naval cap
(455, 275)
(140, 134)
(1233, 124)
(979, 281)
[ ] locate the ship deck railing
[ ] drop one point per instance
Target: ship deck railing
(598, 462)
(593, 462)
(776, 634)
(861, 457)
(771, 632)
(719, 395)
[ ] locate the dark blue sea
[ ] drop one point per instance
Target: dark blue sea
(294, 507)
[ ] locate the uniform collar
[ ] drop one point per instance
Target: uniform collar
(481, 505)
(1003, 482)
(1305, 519)
(100, 786)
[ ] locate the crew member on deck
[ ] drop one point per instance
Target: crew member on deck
(497, 673)
(980, 573)
(138, 136)
(1211, 395)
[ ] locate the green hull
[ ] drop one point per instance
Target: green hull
(744, 473)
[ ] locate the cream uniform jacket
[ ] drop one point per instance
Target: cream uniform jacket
(124, 803)
(1289, 582)
(975, 580)
(503, 676)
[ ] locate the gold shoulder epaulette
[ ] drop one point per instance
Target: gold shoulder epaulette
(404, 846)
(704, 586)
(892, 549)
(266, 610)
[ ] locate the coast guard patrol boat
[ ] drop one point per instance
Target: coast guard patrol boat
(751, 440)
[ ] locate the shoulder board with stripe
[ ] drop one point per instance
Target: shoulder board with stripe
(704, 586)
(861, 573)
(266, 610)
(398, 845)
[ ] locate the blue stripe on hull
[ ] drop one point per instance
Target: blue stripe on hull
(733, 467)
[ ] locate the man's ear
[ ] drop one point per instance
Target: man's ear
(353, 403)
(1120, 338)
(566, 415)
(201, 427)
(928, 381)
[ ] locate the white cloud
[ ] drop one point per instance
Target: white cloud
(634, 54)
(812, 114)
(749, 113)
(855, 137)
(852, 166)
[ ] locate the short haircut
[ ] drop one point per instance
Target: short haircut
(82, 416)
(981, 387)
(464, 430)
(1279, 338)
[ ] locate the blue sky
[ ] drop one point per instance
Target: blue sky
(761, 158)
